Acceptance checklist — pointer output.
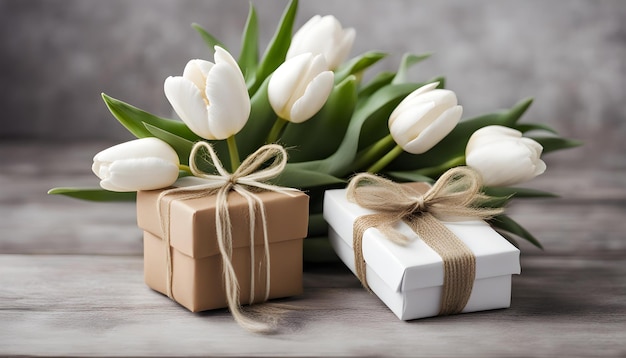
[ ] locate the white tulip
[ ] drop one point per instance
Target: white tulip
(299, 87)
(323, 35)
(424, 118)
(211, 98)
(141, 164)
(503, 157)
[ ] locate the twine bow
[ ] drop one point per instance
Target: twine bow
(454, 195)
(250, 174)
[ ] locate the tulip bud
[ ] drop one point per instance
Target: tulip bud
(503, 157)
(141, 164)
(424, 118)
(323, 35)
(300, 87)
(211, 98)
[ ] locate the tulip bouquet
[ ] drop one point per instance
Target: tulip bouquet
(305, 94)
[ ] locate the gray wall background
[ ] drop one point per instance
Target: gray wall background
(57, 56)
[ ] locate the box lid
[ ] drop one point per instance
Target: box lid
(192, 221)
(416, 265)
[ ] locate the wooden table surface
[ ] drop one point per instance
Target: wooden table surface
(71, 281)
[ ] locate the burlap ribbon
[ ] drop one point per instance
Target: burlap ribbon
(455, 195)
(251, 174)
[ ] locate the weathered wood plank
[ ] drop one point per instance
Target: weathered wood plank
(97, 306)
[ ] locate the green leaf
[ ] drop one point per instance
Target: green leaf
(209, 39)
(507, 224)
(320, 136)
(277, 49)
(384, 100)
(408, 60)
(494, 202)
(294, 177)
(94, 194)
(181, 145)
(249, 54)
(262, 117)
(357, 65)
(517, 192)
(527, 127)
(134, 118)
(379, 81)
(551, 144)
(515, 113)
(408, 176)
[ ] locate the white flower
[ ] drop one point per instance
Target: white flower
(503, 157)
(424, 118)
(323, 35)
(141, 164)
(212, 99)
(299, 87)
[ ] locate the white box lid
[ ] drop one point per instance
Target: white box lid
(416, 265)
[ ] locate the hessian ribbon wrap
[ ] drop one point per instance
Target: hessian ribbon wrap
(253, 174)
(455, 195)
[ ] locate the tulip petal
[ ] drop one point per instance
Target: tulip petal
(229, 107)
(284, 81)
(302, 38)
(325, 36)
(503, 163)
(344, 47)
(189, 104)
(441, 97)
(313, 99)
(300, 35)
(197, 71)
(435, 132)
(223, 56)
(324, 40)
(540, 167)
(533, 145)
(140, 174)
(316, 66)
(106, 184)
(144, 147)
(411, 98)
(406, 125)
(490, 134)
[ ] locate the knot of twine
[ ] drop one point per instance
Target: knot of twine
(455, 195)
(251, 174)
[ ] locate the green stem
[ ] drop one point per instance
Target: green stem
(385, 160)
(233, 152)
(277, 130)
(371, 153)
(436, 171)
(184, 168)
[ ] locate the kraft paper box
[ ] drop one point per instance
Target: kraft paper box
(197, 278)
(409, 279)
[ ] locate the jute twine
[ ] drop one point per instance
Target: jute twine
(251, 174)
(455, 195)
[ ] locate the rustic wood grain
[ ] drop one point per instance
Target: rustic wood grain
(85, 305)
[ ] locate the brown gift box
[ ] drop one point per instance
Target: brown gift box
(197, 277)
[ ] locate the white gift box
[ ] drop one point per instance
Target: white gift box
(409, 279)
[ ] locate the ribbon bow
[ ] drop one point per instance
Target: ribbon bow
(454, 195)
(250, 174)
